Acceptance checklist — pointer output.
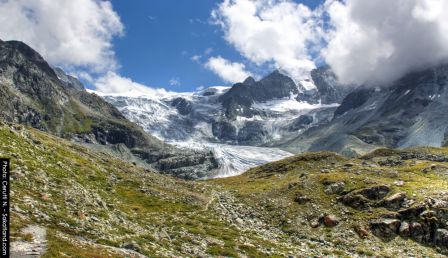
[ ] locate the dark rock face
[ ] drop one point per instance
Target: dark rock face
(224, 131)
(182, 105)
(353, 100)
(239, 99)
(328, 89)
(301, 122)
(32, 93)
(252, 133)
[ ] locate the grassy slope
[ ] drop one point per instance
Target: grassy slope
(76, 192)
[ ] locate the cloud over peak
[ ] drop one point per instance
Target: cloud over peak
(67, 33)
(231, 72)
(379, 41)
(365, 42)
(270, 31)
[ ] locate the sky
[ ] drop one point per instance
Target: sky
(170, 45)
(167, 42)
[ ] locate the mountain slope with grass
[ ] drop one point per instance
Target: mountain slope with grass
(90, 204)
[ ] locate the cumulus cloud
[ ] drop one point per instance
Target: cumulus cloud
(271, 31)
(113, 83)
(231, 72)
(365, 42)
(379, 41)
(67, 33)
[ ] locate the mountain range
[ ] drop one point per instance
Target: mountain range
(103, 175)
(278, 113)
(221, 131)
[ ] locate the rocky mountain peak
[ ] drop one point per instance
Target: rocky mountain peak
(18, 52)
(249, 81)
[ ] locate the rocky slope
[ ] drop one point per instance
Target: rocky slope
(33, 93)
(410, 112)
(89, 204)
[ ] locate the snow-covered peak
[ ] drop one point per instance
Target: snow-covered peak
(154, 94)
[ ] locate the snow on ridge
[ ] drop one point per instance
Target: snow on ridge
(152, 94)
(284, 105)
(157, 94)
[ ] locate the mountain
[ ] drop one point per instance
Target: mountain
(35, 94)
(410, 112)
(69, 201)
(236, 123)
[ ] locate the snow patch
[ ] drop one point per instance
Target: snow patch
(285, 105)
(308, 84)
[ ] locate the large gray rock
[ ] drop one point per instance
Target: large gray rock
(385, 228)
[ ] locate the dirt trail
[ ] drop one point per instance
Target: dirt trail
(36, 248)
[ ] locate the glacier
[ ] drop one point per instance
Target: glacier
(190, 125)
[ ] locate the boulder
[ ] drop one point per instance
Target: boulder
(356, 201)
(335, 188)
(330, 220)
(394, 201)
(365, 197)
(417, 232)
(132, 246)
(404, 230)
(441, 237)
(361, 231)
(301, 199)
(374, 192)
(385, 228)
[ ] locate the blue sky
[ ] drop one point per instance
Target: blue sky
(161, 36)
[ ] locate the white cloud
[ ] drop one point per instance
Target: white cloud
(174, 81)
(196, 58)
(364, 41)
(379, 41)
(199, 88)
(112, 83)
(278, 31)
(228, 71)
(67, 33)
(208, 51)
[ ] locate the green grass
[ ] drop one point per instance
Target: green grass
(166, 215)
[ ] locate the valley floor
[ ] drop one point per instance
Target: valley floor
(89, 204)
